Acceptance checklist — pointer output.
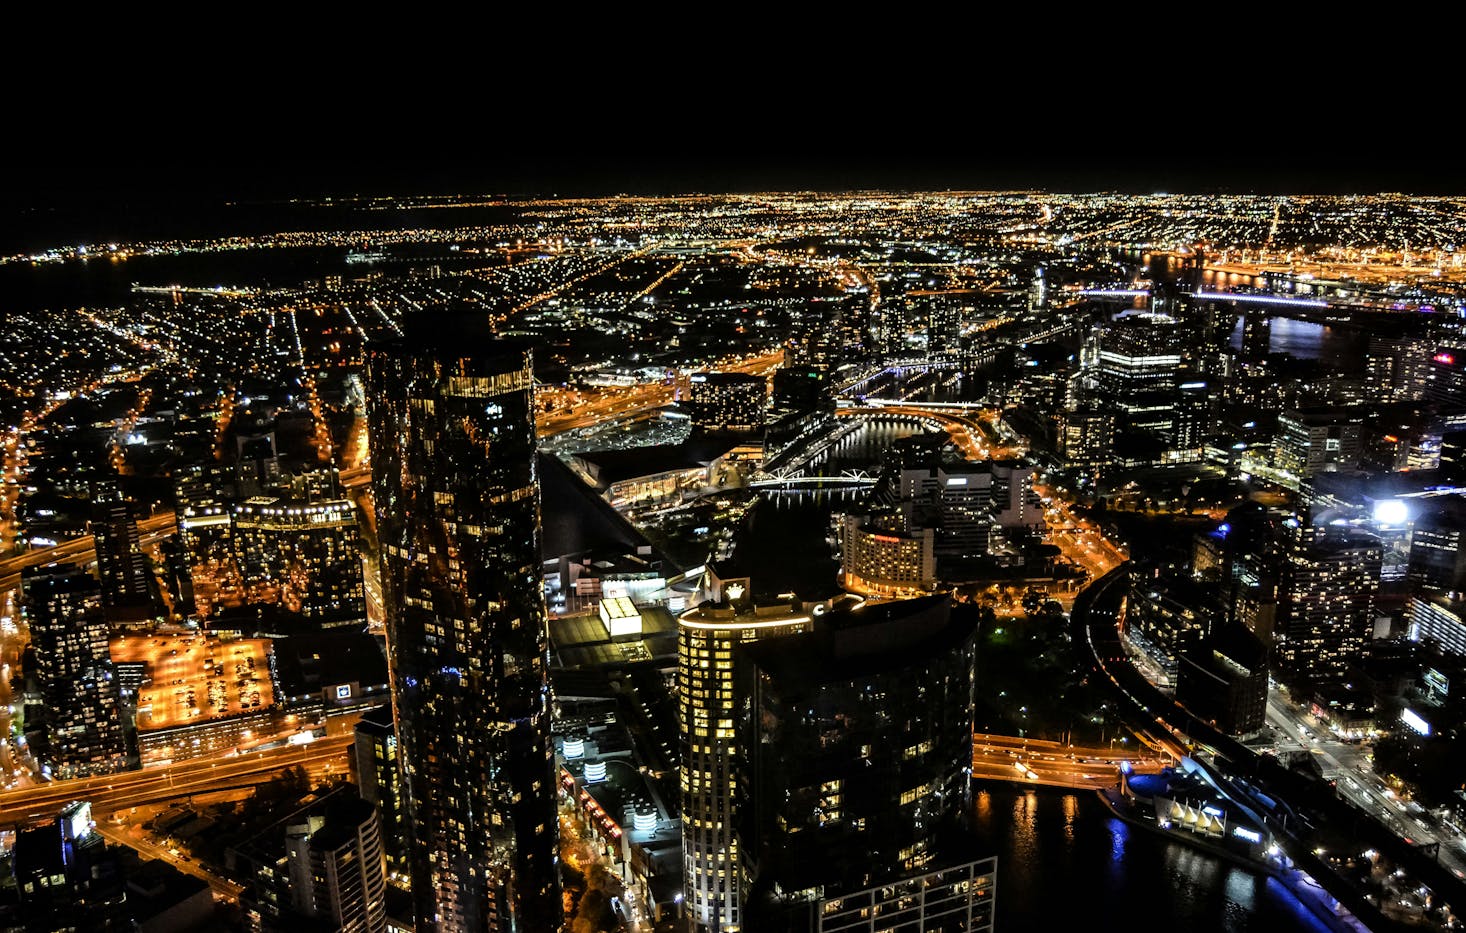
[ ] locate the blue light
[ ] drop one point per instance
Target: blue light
(1126, 767)
(1223, 529)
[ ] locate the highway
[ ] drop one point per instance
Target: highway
(108, 793)
(77, 550)
(1037, 761)
(1354, 777)
(17, 766)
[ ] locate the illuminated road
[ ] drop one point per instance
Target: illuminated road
(1036, 761)
(17, 766)
(154, 785)
(1078, 539)
(77, 550)
(1355, 778)
(134, 838)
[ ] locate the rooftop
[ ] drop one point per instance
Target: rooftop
(869, 640)
(197, 676)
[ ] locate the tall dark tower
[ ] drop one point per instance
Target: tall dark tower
(121, 564)
(457, 504)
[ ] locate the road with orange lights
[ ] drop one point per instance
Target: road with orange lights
(112, 792)
(1038, 761)
(76, 551)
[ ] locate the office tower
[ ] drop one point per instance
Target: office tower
(121, 564)
(1445, 377)
(336, 869)
(799, 389)
(1012, 487)
(1038, 292)
(842, 333)
(801, 409)
(1453, 456)
(1138, 354)
(1438, 620)
(257, 459)
(1325, 611)
(379, 778)
(1437, 559)
(69, 633)
(304, 556)
(1315, 440)
(728, 402)
(1086, 435)
(1223, 679)
(855, 759)
(706, 636)
(1257, 336)
(1192, 415)
(943, 323)
(457, 501)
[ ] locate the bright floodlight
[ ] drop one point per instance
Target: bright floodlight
(1390, 512)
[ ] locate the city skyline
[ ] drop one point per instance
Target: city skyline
(766, 562)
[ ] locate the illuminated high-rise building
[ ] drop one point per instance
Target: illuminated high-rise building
(1317, 440)
(855, 762)
(69, 633)
(1445, 377)
(379, 776)
(1257, 337)
(1325, 613)
(304, 556)
(121, 564)
(706, 636)
(1137, 354)
(457, 503)
(728, 401)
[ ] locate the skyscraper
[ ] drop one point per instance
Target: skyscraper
(706, 636)
(120, 561)
(69, 631)
(728, 401)
(336, 867)
(457, 504)
(379, 777)
(855, 761)
(1325, 602)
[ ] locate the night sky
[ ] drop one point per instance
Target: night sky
(220, 122)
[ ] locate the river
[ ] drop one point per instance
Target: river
(1065, 863)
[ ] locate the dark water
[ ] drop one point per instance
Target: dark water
(1333, 346)
(1065, 864)
(102, 282)
(863, 449)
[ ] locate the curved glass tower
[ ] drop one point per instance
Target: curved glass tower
(457, 505)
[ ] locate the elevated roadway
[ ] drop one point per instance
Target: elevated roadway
(112, 792)
(1297, 809)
